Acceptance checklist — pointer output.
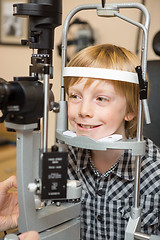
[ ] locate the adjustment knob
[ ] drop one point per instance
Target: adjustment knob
(32, 187)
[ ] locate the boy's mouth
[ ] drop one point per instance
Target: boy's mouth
(84, 126)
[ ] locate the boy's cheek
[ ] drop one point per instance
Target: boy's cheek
(71, 126)
(69, 117)
(71, 113)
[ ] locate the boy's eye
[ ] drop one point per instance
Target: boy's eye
(74, 97)
(102, 99)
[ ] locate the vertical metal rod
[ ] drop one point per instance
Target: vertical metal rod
(137, 182)
(46, 109)
(139, 123)
(138, 159)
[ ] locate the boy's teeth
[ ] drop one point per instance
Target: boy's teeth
(86, 126)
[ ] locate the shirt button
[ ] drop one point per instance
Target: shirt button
(100, 218)
(100, 192)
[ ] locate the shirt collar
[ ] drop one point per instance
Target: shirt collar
(125, 168)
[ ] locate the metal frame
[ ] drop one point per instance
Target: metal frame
(137, 146)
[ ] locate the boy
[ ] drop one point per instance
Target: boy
(98, 108)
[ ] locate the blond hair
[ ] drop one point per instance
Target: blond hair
(111, 57)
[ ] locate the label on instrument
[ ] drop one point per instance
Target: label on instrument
(54, 175)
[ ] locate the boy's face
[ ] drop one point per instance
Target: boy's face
(96, 111)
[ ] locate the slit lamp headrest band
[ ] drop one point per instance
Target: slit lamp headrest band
(102, 73)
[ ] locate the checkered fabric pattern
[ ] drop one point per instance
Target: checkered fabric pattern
(107, 199)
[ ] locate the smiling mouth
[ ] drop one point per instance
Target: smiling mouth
(88, 126)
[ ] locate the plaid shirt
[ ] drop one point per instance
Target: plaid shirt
(107, 199)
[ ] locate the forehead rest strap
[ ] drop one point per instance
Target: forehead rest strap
(101, 73)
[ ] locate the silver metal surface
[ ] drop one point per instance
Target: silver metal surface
(141, 236)
(46, 110)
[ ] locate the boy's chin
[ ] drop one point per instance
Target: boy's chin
(87, 135)
(113, 136)
(95, 138)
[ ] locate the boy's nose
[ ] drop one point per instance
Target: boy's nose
(86, 109)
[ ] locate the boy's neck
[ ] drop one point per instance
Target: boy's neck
(104, 160)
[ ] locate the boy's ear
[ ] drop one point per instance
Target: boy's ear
(129, 117)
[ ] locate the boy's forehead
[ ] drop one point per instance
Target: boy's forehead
(92, 82)
(86, 81)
